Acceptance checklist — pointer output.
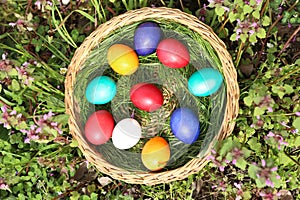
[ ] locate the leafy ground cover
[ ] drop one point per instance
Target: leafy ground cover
(39, 159)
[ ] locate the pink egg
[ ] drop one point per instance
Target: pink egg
(99, 127)
(146, 96)
(172, 53)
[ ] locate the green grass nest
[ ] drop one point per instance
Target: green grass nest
(173, 84)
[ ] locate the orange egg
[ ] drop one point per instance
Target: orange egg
(156, 153)
(122, 59)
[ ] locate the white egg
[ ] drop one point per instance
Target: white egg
(126, 133)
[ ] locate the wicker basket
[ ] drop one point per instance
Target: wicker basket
(229, 73)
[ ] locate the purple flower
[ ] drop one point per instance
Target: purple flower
(3, 185)
(9, 119)
(258, 2)
(277, 138)
(270, 109)
(266, 173)
(24, 75)
(220, 164)
(297, 114)
(269, 195)
(221, 185)
(38, 4)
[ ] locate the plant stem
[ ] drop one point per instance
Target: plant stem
(264, 8)
(284, 77)
(6, 102)
(223, 25)
(288, 41)
(239, 55)
(213, 20)
(294, 160)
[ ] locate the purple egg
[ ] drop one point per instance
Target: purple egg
(185, 125)
(146, 38)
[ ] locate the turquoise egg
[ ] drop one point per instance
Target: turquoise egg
(205, 82)
(101, 90)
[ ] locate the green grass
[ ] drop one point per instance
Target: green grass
(54, 168)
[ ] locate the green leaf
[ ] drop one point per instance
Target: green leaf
(75, 195)
(74, 34)
(219, 10)
(241, 163)
(266, 21)
(276, 181)
(260, 183)
(243, 37)
(258, 111)
(255, 145)
(227, 145)
(261, 33)
(252, 170)
(246, 152)
(296, 123)
(74, 143)
(252, 2)
(252, 38)
(232, 16)
(61, 119)
(278, 90)
(256, 14)
(296, 141)
(13, 72)
(247, 9)
(283, 159)
(233, 37)
(288, 89)
(246, 195)
(88, 16)
(248, 101)
(15, 86)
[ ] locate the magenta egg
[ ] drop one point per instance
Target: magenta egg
(172, 53)
(99, 127)
(146, 96)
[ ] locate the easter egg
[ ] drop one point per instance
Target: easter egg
(172, 53)
(126, 133)
(122, 59)
(146, 38)
(99, 127)
(205, 82)
(185, 125)
(101, 90)
(146, 96)
(156, 153)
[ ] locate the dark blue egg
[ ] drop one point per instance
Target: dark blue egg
(185, 125)
(146, 38)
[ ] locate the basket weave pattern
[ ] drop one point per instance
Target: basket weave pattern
(81, 54)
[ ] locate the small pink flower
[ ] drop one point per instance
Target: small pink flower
(297, 114)
(263, 163)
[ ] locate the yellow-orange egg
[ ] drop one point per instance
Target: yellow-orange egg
(122, 59)
(156, 153)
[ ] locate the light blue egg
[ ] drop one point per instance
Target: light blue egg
(205, 82)
(101, 90)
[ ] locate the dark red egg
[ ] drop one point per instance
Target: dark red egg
(99, 127)
(172, 53)
(146, 96)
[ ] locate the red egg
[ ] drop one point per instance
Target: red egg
(146, 96)
(172, 53)
(99, 127)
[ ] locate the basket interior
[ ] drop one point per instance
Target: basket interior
(173, 83)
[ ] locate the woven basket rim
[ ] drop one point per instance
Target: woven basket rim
(229, 72)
